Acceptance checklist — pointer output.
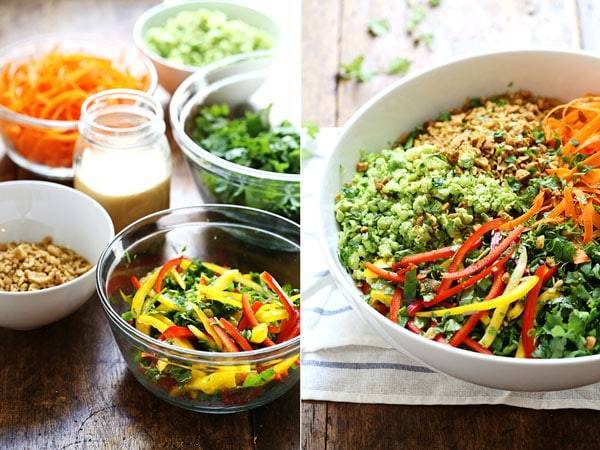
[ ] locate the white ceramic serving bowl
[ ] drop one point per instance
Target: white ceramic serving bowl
(170, 73)
(410, 102)
(31, 210)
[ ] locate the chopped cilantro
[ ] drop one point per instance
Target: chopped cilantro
(355, 70)
(379, 27)
(398, 66)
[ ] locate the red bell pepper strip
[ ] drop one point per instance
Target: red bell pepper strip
(476, 346)
(249, 313)
(492, 256)
(275, 287)
(228, 344)
(527, 338)
(414, 308)
(289, 334)
(441, 296)
(243, 324)
(384, 274)
(410, 325)
(164, 270)
(395, 305)
(496, 289)
(177, 332)
(135, 282)
(471, 242)
(235, 334)
(419, 258)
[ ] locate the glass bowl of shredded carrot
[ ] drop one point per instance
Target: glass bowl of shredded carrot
(204, 305)
(44, 81)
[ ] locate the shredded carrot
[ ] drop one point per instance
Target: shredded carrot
(532, 212)
(53, 87)
(576, 125)
(588, 222)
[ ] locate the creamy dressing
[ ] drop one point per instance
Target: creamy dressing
(128, 183)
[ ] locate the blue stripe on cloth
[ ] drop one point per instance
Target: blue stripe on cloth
(362, 366)
(328, 312)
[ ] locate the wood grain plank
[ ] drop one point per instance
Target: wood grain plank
(278, 426)
(589, 23)
(314, 425)
(460, 27)
(320, 59)
(464, 427)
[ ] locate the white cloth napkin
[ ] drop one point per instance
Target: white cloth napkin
(344, 360)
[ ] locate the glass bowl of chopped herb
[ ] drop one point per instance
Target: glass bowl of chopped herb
(205, 313)
(239, 149)
(181, 37)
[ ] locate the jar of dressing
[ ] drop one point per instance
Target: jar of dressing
(122, 158)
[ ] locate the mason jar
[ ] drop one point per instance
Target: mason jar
(122, 158)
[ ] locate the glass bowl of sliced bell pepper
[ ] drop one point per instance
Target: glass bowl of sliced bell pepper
(204, 305)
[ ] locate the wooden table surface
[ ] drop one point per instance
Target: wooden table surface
(334, 32)
(66, 385)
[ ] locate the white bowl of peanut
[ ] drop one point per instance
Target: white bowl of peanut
(50, 239)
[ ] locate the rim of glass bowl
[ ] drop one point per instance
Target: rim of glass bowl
(87, 42)
(217, 358)
(141, 43)
(181, 105)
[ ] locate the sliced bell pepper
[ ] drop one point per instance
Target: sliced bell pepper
(239, 277)
(384, 274)
(227, 298)
(395, 305)
(259, 333)
(228, 344)
(249, 314)
(243, 323)
(507, 298)
(468, 326)
(207, 325)
(492, 256)
(527, 339)
(135, 282)
(235, 334)
(293, 313)
(138, 299)
(164, 270)
(176, 331)
(419, 258)
(474, 345)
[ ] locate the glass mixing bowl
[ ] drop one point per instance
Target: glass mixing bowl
(245, 238)
(223, 181)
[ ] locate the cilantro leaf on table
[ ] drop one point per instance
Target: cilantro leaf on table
(398, 66)
(378, 27)
(355, 70)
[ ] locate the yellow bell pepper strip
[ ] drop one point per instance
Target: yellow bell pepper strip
(199, 334)
(239, 277)
(175, 275)
(209, 384)
(138, 299)
(498, 317)
(154, 322)
(294, 315)
(271, 313)
(225, 279)
(283, 367)
(496, 289)
(259, 333)
(169, 304)
(251, 318)
(207, 325)
(507, 298)
(547, 295)
(228, 298)
(381, 296)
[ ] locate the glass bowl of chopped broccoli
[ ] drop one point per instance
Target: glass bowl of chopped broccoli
(177, 286)
(182, 37)
(239, 148)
